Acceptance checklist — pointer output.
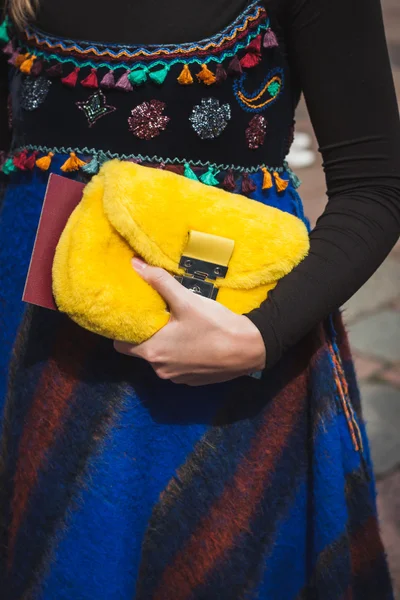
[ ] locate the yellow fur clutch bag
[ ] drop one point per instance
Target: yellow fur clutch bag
(219, 243)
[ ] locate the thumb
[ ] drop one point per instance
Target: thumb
(163, 283)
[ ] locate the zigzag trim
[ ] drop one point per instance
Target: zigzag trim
(152, 159)
(213, 43)
(181, 59)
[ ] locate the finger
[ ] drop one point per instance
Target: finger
(138, 350)
(161, 281)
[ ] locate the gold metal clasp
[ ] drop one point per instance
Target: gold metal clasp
(206, 256)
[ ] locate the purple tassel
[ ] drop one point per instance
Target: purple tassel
(9, 49)
(108, 81)
(270, 40)
(220, 74)
(248, 184)
(55, 71)
(229, 183)
(13, 57)
(123, 83)
(234, 67)
(37, 67)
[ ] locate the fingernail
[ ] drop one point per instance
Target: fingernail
(138, 265)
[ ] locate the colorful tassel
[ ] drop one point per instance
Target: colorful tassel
(13, 58)
(45, 162)
(281, 184)
(138, 76)
(92, 167)
(21, 58)
(234, 67)
(123, 83)
(229, 183)
(91, 80)
(248, 185)
(206, 76)
(220, 74)
(27, 65)
(159, 76)
(71, 79)
(209, 177)
(185, 78)
(296, 181)
(108, 81)
(30, 161)
(253, 54)
(267, 179)
(73, 163)
(189, 173)
(20, 160)
(4, 37)
(270, 40)
(55, 70)
(9, 167)
(9, 49)
(37, 67)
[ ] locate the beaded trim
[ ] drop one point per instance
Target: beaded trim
(227, 43)
(151, 159)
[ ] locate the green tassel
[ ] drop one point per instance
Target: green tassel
(4, 37)
(9, 167)
(189, 173)
(296, 182)
(138, 76)
(159, 76)
(92, 167)
(209, 177)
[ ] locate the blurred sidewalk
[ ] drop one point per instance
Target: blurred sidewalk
(373, 321)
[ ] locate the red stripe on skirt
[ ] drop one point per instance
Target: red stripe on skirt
(45, 418)
(233, 510)
(365, 546)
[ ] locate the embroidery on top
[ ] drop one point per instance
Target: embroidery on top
(267, 94)
(34, 92)
(95, 107)
(209, 119)
(255, 132)
(33, 51)
(147, 120)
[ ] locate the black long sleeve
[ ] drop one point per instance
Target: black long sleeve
(338, 54)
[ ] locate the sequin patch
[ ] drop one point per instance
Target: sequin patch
(147, 120)
(95, 107)
(209, 119)
(255, 133)
(34, 92)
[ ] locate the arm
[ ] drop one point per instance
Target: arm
(338, 53)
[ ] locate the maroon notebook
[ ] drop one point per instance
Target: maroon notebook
(62, 196)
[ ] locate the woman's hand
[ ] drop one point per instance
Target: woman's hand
(203, 342)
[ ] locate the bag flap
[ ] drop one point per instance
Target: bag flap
(154, 210)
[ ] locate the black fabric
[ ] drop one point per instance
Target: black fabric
(338, 57)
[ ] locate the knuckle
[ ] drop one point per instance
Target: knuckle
(162, 373)
(157, 274)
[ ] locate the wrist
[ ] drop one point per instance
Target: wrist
(251, 345)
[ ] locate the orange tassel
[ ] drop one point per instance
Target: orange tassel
(267, 180)
(185, 78)
(206, 76)
(26, 66)
(20, 59)
(73, 163)
(281, 184)
(45, 162)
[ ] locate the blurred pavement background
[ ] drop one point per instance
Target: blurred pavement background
(373, 321)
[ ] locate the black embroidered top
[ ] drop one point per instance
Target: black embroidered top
(327, 52)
